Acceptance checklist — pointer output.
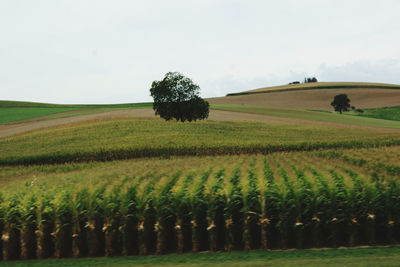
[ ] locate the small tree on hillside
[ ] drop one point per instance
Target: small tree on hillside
(176, 96)
(341, 103)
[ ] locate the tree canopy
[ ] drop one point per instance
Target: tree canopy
(341, 103)
(177, 97)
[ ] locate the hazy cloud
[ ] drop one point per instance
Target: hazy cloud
(385, 71)
(99, 51)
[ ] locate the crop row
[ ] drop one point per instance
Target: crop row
(262, 214)
(375, 165)
(129, 153)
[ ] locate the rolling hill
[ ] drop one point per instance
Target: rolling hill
(316, 96)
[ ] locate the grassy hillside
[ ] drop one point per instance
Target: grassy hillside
(120, 139)
(14, 111)
(319, 85)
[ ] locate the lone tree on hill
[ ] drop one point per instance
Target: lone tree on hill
(176, 96)
(341, 103)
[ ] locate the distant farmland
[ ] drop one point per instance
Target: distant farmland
(318, 96)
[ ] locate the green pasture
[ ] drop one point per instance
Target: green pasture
(373, 120)
(21, 104)
(386, 113)
(125, 138)
(8, 115)
(378, 256)
(14, 111)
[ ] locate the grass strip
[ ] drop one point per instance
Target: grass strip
(371, 256)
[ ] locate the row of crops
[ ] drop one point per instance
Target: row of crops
(189, 150)
(122, 139)
(284, 206)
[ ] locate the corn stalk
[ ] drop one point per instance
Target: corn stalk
(29, 227)
(234, 214)
(80, 233)
(253, 211)
(216, 219)
(130, 221)
(12, 230)
(200, 204)
(64, 225)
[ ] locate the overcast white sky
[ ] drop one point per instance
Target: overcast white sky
(97, 51)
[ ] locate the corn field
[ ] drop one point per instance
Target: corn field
(266, 203)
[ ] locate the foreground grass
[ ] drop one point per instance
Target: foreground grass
(129, 138)
(14, 111)
(373, 120)
(378, 256)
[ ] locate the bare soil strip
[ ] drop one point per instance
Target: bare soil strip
(215, 115)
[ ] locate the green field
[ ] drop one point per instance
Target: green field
(15, 111)
(320, 85)
(373, 118)
(21, 104)
(8, 115)
(386, 113)
(128, 138)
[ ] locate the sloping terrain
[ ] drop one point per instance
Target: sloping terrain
(320, 85)
(315, 99)
(8, 130)
(317, 96)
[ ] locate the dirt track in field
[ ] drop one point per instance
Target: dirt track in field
(315, 99)
(215, 115)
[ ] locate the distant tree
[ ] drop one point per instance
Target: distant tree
(341, 103)
(310, 80)
(177, 97)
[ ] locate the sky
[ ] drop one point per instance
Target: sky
(97, 51)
